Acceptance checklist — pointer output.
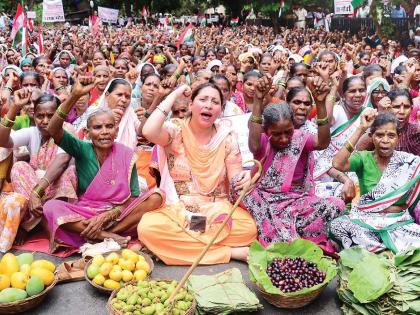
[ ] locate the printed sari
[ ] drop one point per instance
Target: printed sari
(369, 226)
(108, 189)
(339, 136)
(25, 176)
(284, 210)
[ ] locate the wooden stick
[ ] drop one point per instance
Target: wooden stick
(205, 250)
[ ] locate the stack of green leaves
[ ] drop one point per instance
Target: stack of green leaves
(260, 258)
(223, 293)
(382, 284)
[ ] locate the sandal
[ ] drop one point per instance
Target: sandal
(72, 270)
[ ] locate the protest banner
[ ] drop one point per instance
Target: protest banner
(52, 11)
(108, 15)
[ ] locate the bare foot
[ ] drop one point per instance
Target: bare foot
(121, 240)
(20, 237)
(136, 247)
(240, 253)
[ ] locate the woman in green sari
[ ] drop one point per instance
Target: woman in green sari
(389, 187)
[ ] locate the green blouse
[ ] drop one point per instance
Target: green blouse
(87, 165)
(364, 165)
(21, 122)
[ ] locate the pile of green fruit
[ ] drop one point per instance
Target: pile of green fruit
(152, 298)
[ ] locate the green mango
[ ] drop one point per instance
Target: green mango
(25, 258)
(12, 295)
(159, 307)
(180, 296)
(146, 302)
(148, 310)
(132, 300)
(35, 286)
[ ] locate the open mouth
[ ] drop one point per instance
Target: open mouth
(206, 116)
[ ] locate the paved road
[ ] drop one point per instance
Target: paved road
(79, 298)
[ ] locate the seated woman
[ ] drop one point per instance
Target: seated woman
(376, 94)
(388, 186)
(197, 156)
(283, 202)
(401, 105)
(26, 177)
(110, 204)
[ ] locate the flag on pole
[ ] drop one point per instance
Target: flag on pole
(25, 39)
(357, 3)
(281, 7)
(18, 23)
(234, 21)
(186, 35)
(29, 24)
(40, 40)
(94, 24)
(144, 13)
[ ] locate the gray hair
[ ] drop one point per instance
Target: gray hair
(97, 112)
(275, 112)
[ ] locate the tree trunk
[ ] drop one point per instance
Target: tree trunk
(275, 21)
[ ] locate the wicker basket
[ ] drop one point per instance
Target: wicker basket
(109, 291)
(112, 311)
(291, 302)
(26, 304)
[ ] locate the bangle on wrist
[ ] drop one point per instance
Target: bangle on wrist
(6, 124)
(164, 112)
(176, 74)
(256, 119)
(60, 88)
(60, 113)
(349, 146)
(146, 114)
(330, 98)
(322, 121)
(47, 180)
(38, 191)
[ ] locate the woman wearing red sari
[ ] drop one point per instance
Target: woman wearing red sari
(110, 204)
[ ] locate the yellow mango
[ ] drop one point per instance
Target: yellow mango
(43, 263)
(9, 264)
(111, 284)
(46, 275)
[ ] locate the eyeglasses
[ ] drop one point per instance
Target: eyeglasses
(382, 92)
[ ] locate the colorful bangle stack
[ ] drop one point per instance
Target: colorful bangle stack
(330, 98)
(349, 146)
(60, 113)
(39, 191)
(256, 119)
(47, 180)
(322, 121)
(176, 74)
(282, 83)
(6, 122)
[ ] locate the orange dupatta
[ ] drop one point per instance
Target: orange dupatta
(207, 162)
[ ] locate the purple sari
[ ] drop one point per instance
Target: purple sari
(103, 194)
(283, 209)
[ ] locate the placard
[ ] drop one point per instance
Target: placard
(108, 15)
(52, 11)
(343, 7)
(31, 15)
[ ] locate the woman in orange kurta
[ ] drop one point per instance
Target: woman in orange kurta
(197, 159)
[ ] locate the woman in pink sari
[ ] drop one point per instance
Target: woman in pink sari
(110, 204)
(283, 202)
